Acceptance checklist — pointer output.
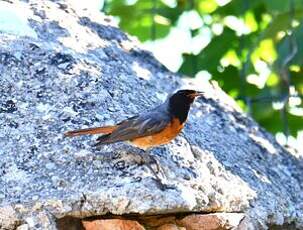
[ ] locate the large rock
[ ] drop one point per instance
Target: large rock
(69, 68)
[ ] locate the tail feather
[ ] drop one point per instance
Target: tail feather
(98, 130)
(104, 139)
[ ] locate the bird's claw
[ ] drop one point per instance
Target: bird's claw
(163, 186)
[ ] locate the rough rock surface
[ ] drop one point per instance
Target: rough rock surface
(75, 69)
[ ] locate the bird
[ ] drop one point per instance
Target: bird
(155, 127)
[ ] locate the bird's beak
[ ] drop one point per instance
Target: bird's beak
(197, 94)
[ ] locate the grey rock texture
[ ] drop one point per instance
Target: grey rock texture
(75, 69)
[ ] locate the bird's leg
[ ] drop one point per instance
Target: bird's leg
(148, 159)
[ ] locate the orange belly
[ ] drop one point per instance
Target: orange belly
(163, 137)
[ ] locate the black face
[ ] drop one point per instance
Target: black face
(180, 102)
(186, 95)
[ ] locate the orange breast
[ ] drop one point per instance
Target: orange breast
(163, 137)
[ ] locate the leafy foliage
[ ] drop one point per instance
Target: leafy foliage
(255, 50)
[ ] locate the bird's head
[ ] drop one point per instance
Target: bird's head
(186, 96)
(179, 102)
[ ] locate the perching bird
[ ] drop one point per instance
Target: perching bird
(151, 128)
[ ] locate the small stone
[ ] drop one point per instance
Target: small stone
(8, 107)
(112, 224)
(23, 227)
(98, 164)
(8, 217)
(214, 221)
(161, 96)
(50, 166)
(31, 222)
(35, 197)
(82, 154)
(58, 182)
(18, 55)
(111, 109)
(170, 227)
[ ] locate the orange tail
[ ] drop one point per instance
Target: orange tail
(104, 130)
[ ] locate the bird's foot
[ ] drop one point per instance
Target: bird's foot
(162, 186)
(145, 158)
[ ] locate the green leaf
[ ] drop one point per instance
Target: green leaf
(267, 117)
(280, 22)
(284, 49)
(207, 6)
(228, 79)
(295, 124)
(238, 7)
(188, 66)
(296, 79)
(140, 19)
(209, 58)
(278, 6)
(172, 14)
(272, 119)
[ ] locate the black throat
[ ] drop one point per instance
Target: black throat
(179, 107)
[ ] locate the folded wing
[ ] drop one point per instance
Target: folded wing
(137, 126)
